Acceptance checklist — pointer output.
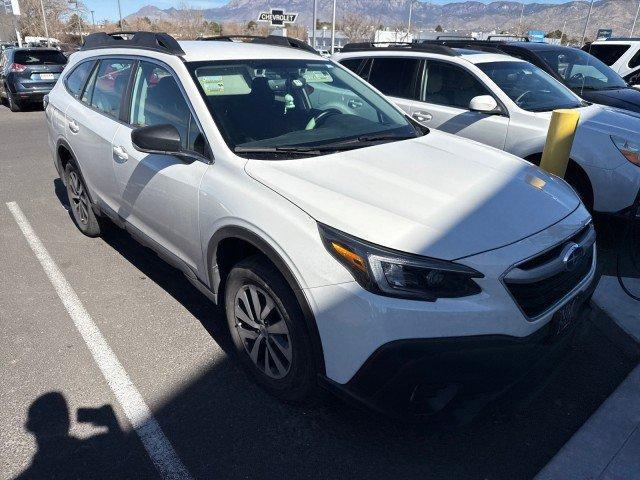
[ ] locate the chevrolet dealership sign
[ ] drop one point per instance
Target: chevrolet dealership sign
(277, 17)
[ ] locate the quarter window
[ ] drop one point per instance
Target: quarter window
(396, 77)
(157, 100)
(78, 77)
(450, 85)
(108, 86)
(608, 54)
(635, 60)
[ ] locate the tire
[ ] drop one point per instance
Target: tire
(283, 365)
(79, 202)
(14, 106)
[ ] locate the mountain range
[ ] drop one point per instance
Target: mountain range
(464, 15)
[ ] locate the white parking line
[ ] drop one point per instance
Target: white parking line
(146, 426)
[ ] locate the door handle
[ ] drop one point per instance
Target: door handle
(121, 153)
(422, 116)
(354, 104)
(74, 127)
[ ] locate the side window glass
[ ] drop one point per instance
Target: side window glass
(110, 84)
(635, 60)
(157, 100)
(353, 64)
(396, 77)
(78, 77)
(450, 85)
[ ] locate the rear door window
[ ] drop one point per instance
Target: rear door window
(396, 76)
(608, 54)
(109, 85)
(635, 60)
(39, 57)
(77, 79)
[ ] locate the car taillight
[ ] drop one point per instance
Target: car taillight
(17, 67)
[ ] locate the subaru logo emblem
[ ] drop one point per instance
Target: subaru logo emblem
(571, 255)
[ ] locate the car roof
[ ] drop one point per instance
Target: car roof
(537, 46)
(231, 50)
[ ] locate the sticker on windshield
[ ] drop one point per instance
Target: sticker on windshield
(212, 85)
(317, 76)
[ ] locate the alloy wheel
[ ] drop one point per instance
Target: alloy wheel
(79, 198)
(263, 331)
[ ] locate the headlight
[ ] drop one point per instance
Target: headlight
(631, 150)
(396, 274)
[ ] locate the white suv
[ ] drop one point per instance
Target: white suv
(506, 103)
(348, 245)
(621, 54)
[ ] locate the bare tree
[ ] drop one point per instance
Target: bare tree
(30, 23)
(357, 27)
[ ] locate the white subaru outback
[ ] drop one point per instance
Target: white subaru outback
(348, 245)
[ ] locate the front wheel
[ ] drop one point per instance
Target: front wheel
(268, 331)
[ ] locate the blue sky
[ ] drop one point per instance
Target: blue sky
(108, 9)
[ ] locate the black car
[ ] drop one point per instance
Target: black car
(587, 76)
(28, 74)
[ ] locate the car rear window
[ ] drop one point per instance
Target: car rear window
(608, 54)
(39, 57)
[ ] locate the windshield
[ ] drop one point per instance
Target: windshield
(39, 57)
(294, 104)
(529, 87)
(579, 70)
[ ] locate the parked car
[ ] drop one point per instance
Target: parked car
(28, 74)
(621, 54)
(506, 102)
(584, 74)
(348, 245)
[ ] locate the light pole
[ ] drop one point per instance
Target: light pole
(120, 14)
(410, 14)
(333, 29)
(633, 28)
(521, 18)
(315, 20)
(93, 19)
(586, 24)
(44, 19)
(562, 32)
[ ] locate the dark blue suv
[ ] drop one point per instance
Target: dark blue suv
(28, 74)
(583, 73)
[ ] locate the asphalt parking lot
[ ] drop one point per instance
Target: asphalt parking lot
(171, 342)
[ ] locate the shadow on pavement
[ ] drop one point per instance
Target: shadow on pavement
(108, 455)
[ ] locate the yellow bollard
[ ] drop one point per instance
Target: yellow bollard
(557, 149)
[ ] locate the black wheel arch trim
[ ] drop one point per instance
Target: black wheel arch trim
(241, 233)
(62, 142)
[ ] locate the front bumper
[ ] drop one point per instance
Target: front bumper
(454, 378)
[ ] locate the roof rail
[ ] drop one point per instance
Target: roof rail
(276, 40)
(633, 39)
(158, 42)
(454, 37)
(399, 47)
(479, 45)
(518, 38)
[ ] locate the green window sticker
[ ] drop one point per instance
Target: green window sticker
(212, 84)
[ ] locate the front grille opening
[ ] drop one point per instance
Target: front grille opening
(537, 297)
(554, 252)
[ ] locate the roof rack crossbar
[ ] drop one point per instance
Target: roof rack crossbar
(265, 40)
(399, 46)
(479, 45)
(454, 37)
(158, 42)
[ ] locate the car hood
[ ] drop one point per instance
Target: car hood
(625, 98)
(438, 196)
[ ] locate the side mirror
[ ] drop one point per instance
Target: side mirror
(484, 104)
(159, 139)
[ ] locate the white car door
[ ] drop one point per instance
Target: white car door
(445, 92)
(158, 193)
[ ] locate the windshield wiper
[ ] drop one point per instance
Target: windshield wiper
(302, 150)
(384, 137)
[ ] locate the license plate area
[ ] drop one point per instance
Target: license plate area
(46, 76)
